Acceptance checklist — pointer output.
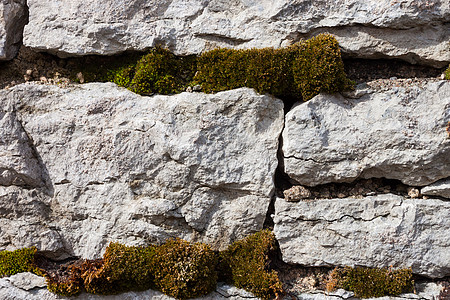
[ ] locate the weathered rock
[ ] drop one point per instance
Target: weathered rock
(8, 291)
(424, 291)
(13, 17)
(25, 221)
(439, 188)
(143, 169)
(27, 281)
(412, 30)
(296, 193)
(19, 163)
(376, 231)
(399, 134)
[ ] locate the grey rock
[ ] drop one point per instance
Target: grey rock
(25, 221)
(397, 134)
(412, 30)
(139, 170)
(13, 17)
(19, 163)
(439, 188)
(376, 231)
(424, 291)
(8, 291)
(27, 281)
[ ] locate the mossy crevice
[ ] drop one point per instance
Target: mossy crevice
(177, 268)
(297, 72)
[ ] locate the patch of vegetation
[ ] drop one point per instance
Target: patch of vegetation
(368, 282)
(66, 282)
(318, 67)
(177, 268)
(17, 261)
(122, 269)
(184, 270)
(298, 72)
(245, 264)
(447, 73)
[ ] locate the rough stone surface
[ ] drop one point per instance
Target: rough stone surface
(10, 292)
(424, 291)
(376, 231)
(399, 133)
(413, 30)
(13, 17)
(116, 166)
(439, 188)
(27, 281)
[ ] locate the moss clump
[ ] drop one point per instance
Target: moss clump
(368, 282)
(159, 71)
(121, 269)
(297, 72)
(65, 283)
(246, 264)
(184, 270)
(17, 261)
(447, 73)
(318, 67)
(266, 70)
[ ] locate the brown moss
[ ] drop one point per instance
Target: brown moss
(66, 282)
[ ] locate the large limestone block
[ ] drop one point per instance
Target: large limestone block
(13, 17)
(139, 169)
(416, 31)
(399, 134)
(376, 231)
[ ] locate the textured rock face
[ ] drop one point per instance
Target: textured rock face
(439, 188)
(397, 134)
(412, 30)
(376, 231)
(13, 17)
(118, 166)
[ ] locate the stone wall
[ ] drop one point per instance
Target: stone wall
(82, 165)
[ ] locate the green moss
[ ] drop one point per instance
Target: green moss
(185, 270)
(246, 264)
(266, 70)
(122, 269)
(13, 262)
(318, 67)
(368, 282)
(447, 73)
(297, 72)
(300, 71)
